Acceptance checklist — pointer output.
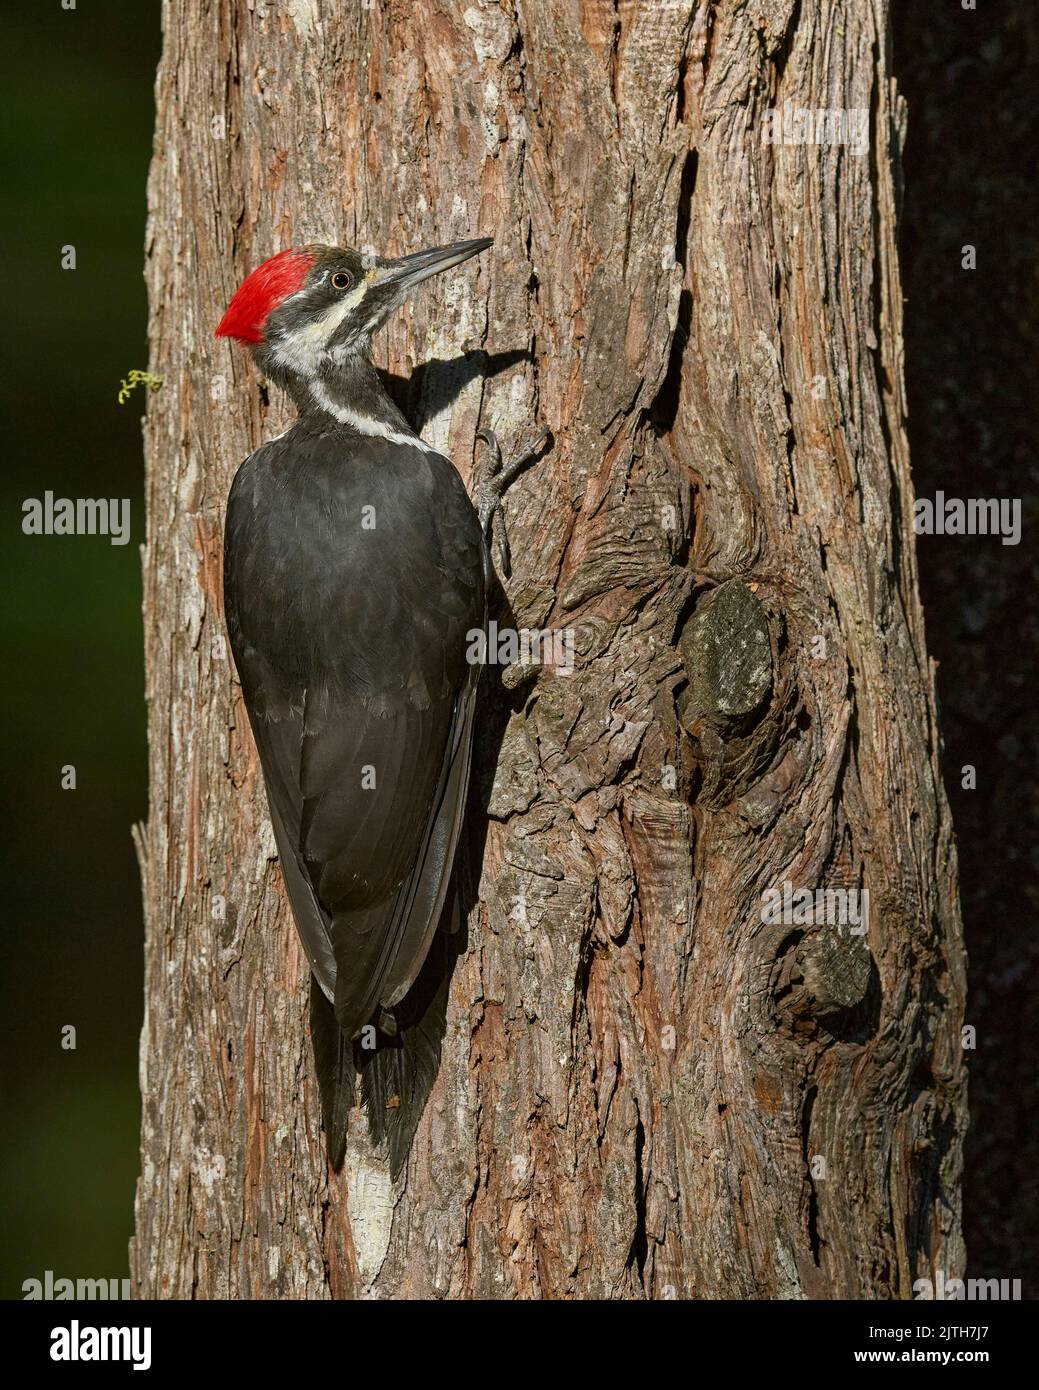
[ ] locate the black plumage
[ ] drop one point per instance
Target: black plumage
(354, 574)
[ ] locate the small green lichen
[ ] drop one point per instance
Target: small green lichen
(136, 378)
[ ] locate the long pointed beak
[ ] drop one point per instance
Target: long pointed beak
(409, 271)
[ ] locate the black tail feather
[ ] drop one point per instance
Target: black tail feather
(336, 1072)
(397, 1075)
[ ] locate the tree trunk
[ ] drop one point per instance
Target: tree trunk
(648, 1087)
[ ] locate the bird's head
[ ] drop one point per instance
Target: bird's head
(311, 307)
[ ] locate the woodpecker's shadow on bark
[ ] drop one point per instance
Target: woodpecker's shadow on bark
(496, 704)
(436, 384)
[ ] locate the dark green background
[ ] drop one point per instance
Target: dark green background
(76, 138)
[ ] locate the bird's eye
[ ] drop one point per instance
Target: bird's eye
(341, 280)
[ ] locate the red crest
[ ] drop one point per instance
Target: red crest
(269, 285)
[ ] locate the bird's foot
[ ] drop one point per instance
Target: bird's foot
(491, 484)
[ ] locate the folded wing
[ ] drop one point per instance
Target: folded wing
(359, 694)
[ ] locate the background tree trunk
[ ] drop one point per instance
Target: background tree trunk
(645, 1090)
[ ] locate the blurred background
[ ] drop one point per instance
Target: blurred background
(76, 139)
(971, 345)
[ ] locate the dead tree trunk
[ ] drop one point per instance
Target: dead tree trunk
(646, 1088)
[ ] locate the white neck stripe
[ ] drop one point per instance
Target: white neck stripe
(364, 424)
(302, 350)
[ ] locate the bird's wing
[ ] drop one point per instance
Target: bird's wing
(359, 695)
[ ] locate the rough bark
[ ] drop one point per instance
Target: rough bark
(640, 1077)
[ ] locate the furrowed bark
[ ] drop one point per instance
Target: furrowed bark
(646, 1090)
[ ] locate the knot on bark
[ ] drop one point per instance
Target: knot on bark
(824, 977)
(835, 965)
(728, 658)
(731, 706)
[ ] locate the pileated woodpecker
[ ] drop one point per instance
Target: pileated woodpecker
(354, 567)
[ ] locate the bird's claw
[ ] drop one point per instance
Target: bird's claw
(495, 479)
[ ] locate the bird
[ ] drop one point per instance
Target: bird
(356, 571)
